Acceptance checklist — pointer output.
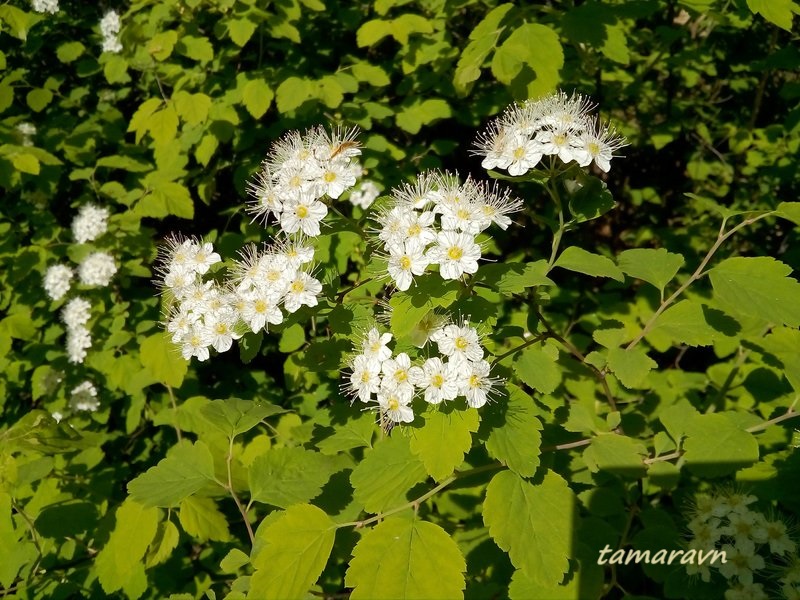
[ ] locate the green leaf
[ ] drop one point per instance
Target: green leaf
(117, 561)
(192, 108)
(775, 11)
(716, 446)
(591, 200)
(201, 519)
(206, 148)
(292, 338)
(532, 522)
(240, 31)
(371, 74)
(233, 561)
(285, 476)
(166, 198)
(38, 99)
(386, 473)
(257, 97)
(536, 366)
(292, 92)
(656, 266)
(18, 21)
(530, 46)
(444, 439)
(70, 51)
(166, 540)
(186, 469)
(161, 44)
(163, 125)
(422, 112)
(123, 162)
(617, 454)
(483, 40)
(196, 48)
(417, 560)
(631, 366)
(789, 211)
(693, 323)
(514, 278)
(581, 261)
(371, 32)
(234, 416)
(162, 360)
(513, 432)
(758, 287)
(294, 548)
(404, 25)
(25, 163)
(356, 433)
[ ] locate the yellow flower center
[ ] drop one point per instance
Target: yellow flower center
(519, 152)
(298, 286)
(415, 229)
(461, 343)
(400, 375)
(405, 263)
(393, 403)
(594, 149)
(455, 253)
(221, 328)
(365, 377)
(463, 213)
(559, 139)
(260, 306)
(302, 212)
(330, 177)
(437, 380)
(295, 181)
(474, 381)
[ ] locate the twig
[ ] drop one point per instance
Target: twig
(568, 446)
(174, 412)
(235, 497)
(522, 346)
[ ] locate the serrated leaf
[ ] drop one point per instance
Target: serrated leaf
(201, 519)
(538, 368)
(444, 439)
(161, 548)
(17, 20)
(38, 99)
(292, 92)
(581, 261)
(630, 366)
(716, 446)
(196, 48)
(417, 560)
(356, 433)
(779, 12)
(233, 561)
(656, 266)
(411, 118)
(234, 416)
(241, 30)
(386, 473)
(163, 125)
(758, 287)
(162, 360)
(26, 163)
(186, 469)
(206, 148)
(117, 561)
(166, 198)
(532, 522)
(256, 97)
(514, 278)
(371, 32)
(192, 108)
(161, 44)
(483, 40)
(514, 433)
(695, 324)
(530, 46)
(789, 211)
(285, 476)
(294, 549)
(591, 200)
(371, 74)
(617, 454)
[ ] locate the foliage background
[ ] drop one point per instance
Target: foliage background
(167, 133)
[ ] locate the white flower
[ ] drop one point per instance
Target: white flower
(180, 323)
(57, 416)
(395, 407)
(303, 290)
(495, 206)
(202, 258)
(84, 397)
(27, 130)
(740, 563)
(57, 281)
(752, 591)
(559, 142)
(365, 379)
(779, 541)
(220, 329)
(76, 312)
(109, 28)
(79, 340)
(45, 6)
(303, 214)
(97, 269)
(406, 263)
(260, 308)
(522, 154)
(455, 253)
(195, 342)
(336, 178)
(374, 346)
(459, 342)
(396, 376)
(437, 378)
(474, 382)
(597, 144)
(365, 194)
(90, 223)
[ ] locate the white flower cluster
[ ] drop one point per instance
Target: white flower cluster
(27, 130)
(90, 223)
(299, 172)
(556, 125)
(109, 28)
(365, 194)
(726, 522)
(57, 280)
(84, 398)
(413, 239)
(75, 314)
(97, 269)
(45, 6)
(209, 315)
(459, 370)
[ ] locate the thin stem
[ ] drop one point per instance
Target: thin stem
(560, 231)
(789, 414)
(698, 273)
(34, 538)
(568, 446)
(174, 412)
(344, 293)
(522, 346)
(239, 505)
(663, 457)
(416, 502)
